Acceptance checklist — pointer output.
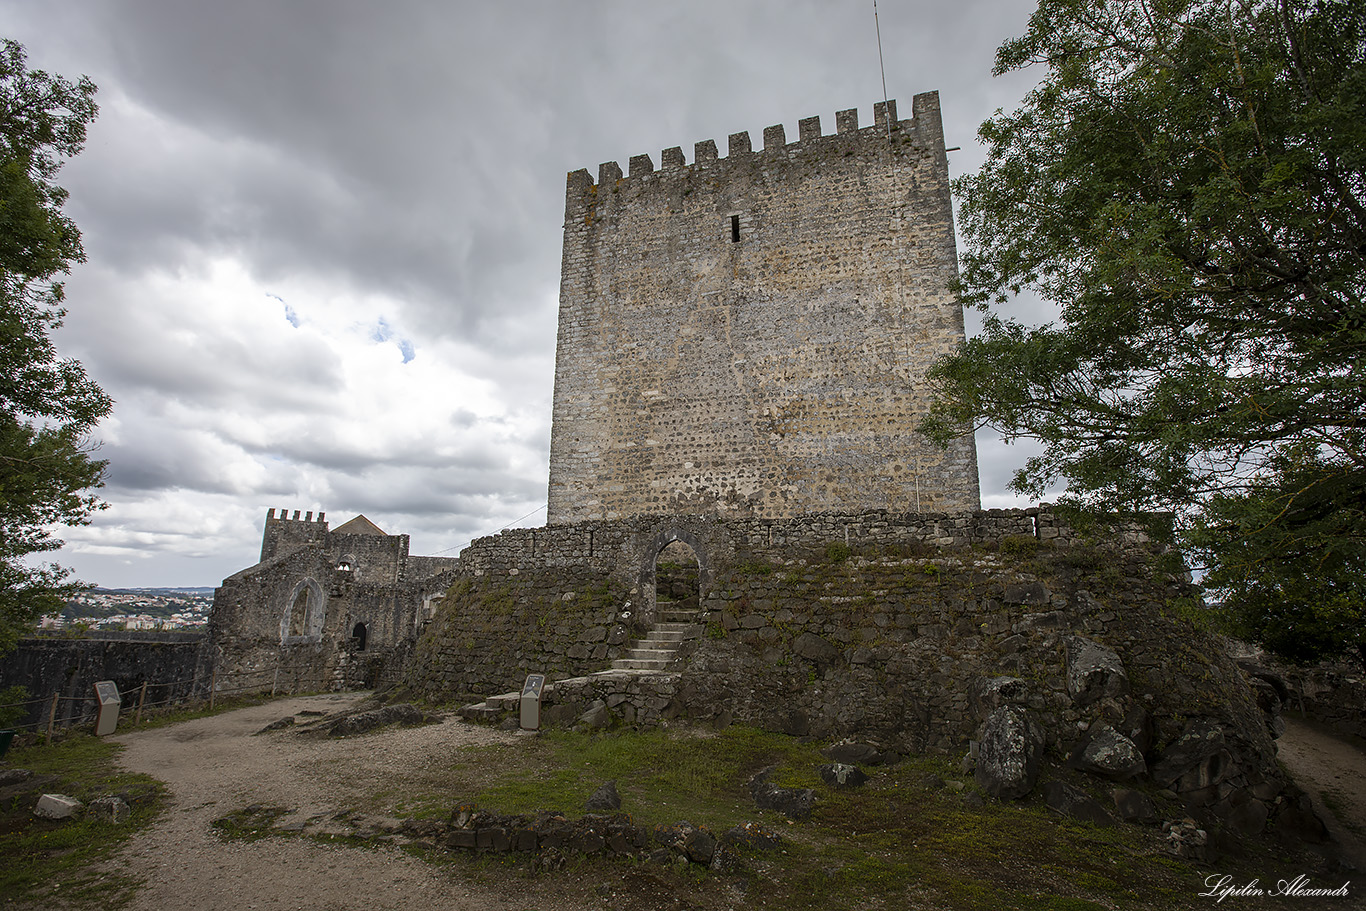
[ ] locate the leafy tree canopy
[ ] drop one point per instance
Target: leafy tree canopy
(48, 406)
(1187, 184)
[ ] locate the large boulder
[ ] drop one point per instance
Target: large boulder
(1075, 803)
(1110, 754)
(604, 800)
(995, 692)
(359, 723)
(1197, 756)
(1009, 753)
(1094, 671)
(1134, 806)
(57, 806)
(840, 775)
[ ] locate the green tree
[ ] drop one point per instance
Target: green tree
(48, 406)
(1187, 184)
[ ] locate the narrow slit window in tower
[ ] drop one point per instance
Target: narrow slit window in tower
(735, 229)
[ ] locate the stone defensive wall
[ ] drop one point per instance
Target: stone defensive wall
(908, 631)
(747, 335)
(177, 665)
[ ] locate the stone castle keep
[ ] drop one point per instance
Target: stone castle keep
(743, 523)
(744, 336)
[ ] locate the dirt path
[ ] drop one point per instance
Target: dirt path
(1333, 772)
(214, 767)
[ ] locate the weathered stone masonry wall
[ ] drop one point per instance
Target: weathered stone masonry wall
(882, 625)
(332, 582)
(745, 336)
(175, 667)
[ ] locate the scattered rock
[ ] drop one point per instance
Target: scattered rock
(1075, 803)
(1094, 671)
(597, 716)
(110, 809)
(751, 836)
(999, 691)
(276, 725)
(1270, 693)
(1248, 818)
(853, 752)
(1009, 753)
(605, 798)
(1196, 759)
(932, 782)
(1297, 819)
(1134, 806)
(57, 806)
(793, 802)
(1137, 725)
(1187, 840)
(403, 713)
(14, 776)
(841, 775)
(1110, 754)
(700, 846)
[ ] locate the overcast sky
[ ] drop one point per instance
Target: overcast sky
(323, 236)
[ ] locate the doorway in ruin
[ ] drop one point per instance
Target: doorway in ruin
(298, 614)
(358, 634)
(678, 580)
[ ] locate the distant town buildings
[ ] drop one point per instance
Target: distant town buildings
(141, 609)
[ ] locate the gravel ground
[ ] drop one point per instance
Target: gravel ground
(1327, 765)
(213, 767)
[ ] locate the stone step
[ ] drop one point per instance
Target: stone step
(668, 635)
(643, 652)
(505, 702)
(480, 711)
(684, 617)
(640, 664)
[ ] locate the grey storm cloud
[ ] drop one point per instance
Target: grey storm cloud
(398, 165)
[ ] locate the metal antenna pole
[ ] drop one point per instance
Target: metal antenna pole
(883, 71)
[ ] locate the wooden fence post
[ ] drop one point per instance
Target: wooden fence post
(52, 716)
(142, 697)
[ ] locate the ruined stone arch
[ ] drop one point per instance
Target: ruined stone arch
(652, 550)
(304, 613)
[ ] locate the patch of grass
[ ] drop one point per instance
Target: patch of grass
(250, 823)
(1020, 546)
(176, 714)
(837, 552)
(662, 777)
(51, 860)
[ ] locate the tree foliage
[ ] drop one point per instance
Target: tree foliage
(1187, 184)
(48, 405)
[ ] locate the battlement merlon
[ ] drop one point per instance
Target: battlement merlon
(925, 124)
(283, 530)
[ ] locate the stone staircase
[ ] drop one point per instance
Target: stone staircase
(660, 646)
(650, 655)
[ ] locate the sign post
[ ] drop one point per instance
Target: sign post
(107, 695)
(531, 702)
